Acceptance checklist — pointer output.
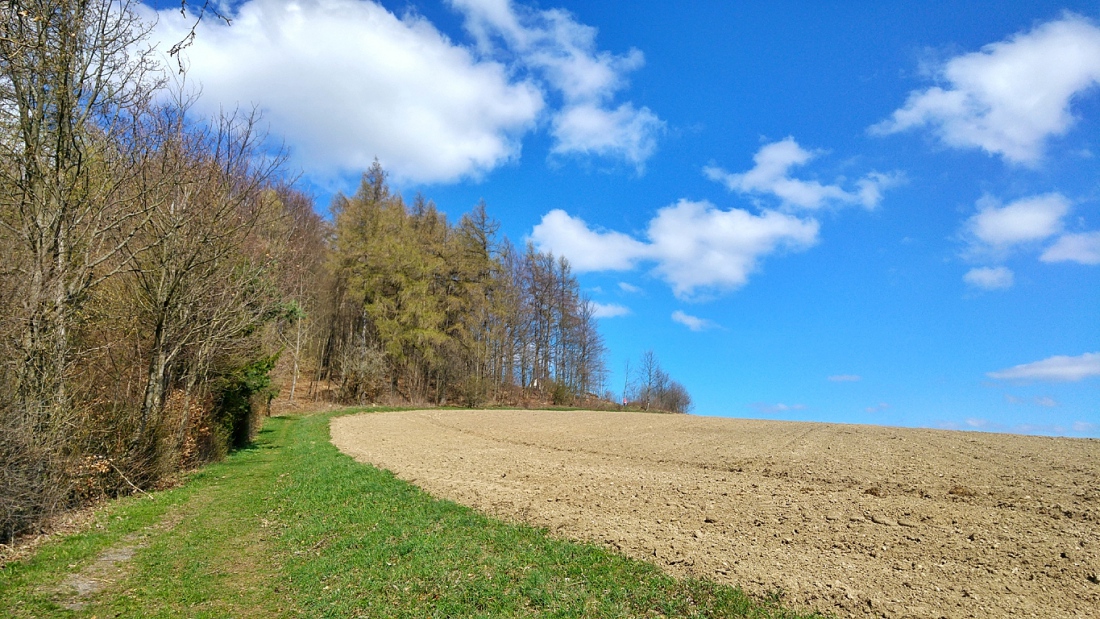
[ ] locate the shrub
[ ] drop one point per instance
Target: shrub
(242, 393)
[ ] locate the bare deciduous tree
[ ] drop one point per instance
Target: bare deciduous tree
(75, 87)
(654, 389)
(135, 268)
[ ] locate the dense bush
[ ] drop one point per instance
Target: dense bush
(241, 396)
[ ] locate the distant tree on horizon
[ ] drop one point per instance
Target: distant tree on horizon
(651, 388)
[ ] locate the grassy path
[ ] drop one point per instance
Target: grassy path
(293, 528)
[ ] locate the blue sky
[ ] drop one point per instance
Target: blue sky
(871, 212)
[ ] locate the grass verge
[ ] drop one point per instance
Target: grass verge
(293, 528)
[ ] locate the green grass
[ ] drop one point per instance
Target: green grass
(291, 527)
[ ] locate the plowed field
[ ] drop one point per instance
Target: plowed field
(858, 521)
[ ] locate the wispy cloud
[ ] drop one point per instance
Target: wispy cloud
(771, 175)
(1049, 429)
(1085, 427)
(563, 54)
(771, 409)
(608, 310)
(1055, 429)
(845, 378)
(692, 322)
(1011, 96)
(990, 278)
(1059, 368)
(629, 288)
(1083, 248)
(996, 231)
(877, 408)
(1043, 401)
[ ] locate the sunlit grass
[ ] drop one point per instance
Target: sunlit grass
(292, 527)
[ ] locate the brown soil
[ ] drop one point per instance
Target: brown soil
(859, 521)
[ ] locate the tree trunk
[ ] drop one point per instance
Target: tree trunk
(297, 352)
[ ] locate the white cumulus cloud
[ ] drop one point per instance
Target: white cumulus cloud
(608, 310)
(693, 245)
(346, 81)
(692, 322)
(1059, 368)
(587, 249)
(995, 230)
(594, 130)
(1011, 96)
(1082, 247)
(698, 245)
(1027, 220)
(771, 175)
(990, 278)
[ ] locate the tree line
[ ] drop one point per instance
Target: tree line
(147, 268)
(161, 276)
(425, 311)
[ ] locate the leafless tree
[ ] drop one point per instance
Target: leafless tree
(75, 88)
(654, 389)
(190, 290)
